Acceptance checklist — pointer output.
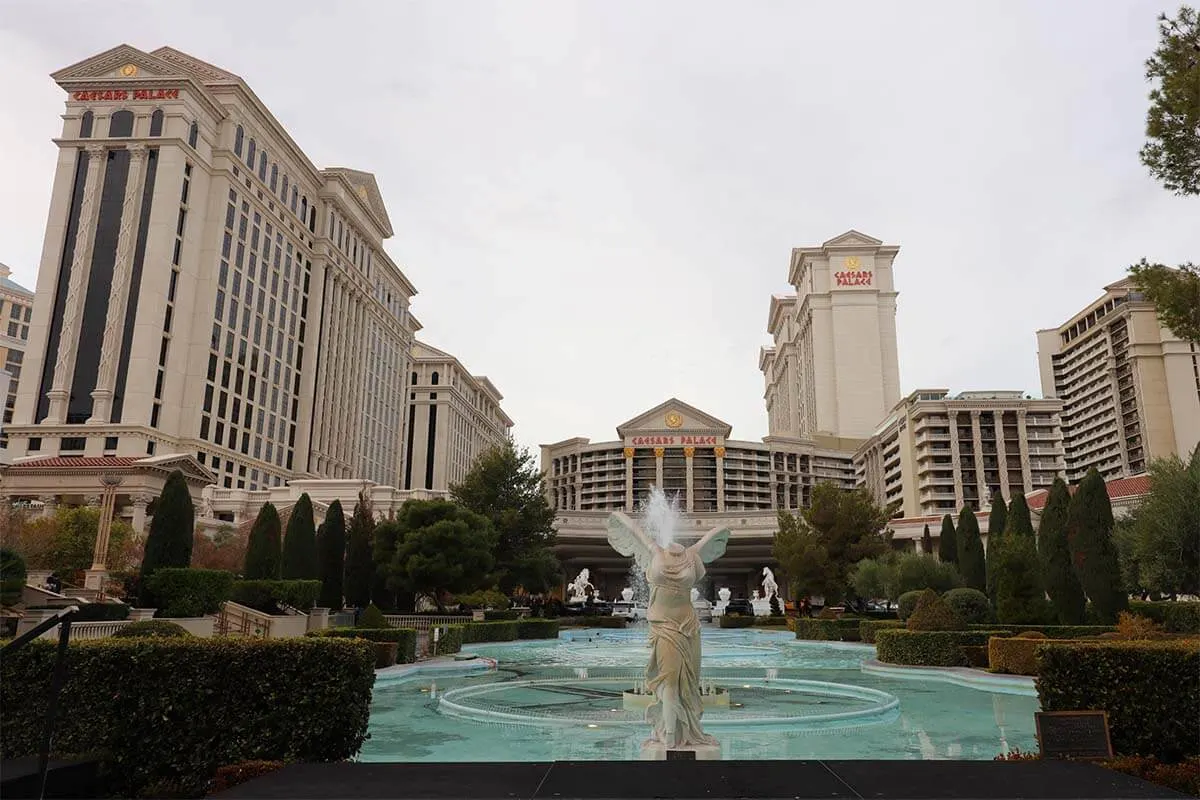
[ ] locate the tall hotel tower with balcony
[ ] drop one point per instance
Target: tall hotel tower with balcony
(1130, 387)
(205, 290)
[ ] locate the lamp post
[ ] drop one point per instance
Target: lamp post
(94, 577)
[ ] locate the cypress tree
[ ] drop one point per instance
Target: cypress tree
(1020, 599)
(1058, 573)
(169, 543)
(926, 540)
(331, 552)
(360, 564)
(1019, 522)
(300, 543)
(971, 564)
(263, 554)
(947, 546)
(1089, 534)
(997, 519)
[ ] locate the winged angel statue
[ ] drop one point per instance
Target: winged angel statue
(673, 673)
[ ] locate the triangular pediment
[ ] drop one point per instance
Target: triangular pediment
(122, 62)
(367, 189)
(201, 70)
(674, 416)
(853, 238)
(192, 469)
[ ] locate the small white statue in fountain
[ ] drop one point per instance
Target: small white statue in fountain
(580, 586)
(672, 570)
(724, 594)
(627, 594)
(770, 587)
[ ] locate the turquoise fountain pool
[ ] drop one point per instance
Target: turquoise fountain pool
(562, 700)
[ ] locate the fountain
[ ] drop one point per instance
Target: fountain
(580, 588)
(673, 673)
(723, 595)
(762, 604)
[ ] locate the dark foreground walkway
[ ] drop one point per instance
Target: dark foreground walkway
(634, 780)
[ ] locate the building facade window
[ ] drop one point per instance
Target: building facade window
(156, 122)
(120, 123)
(193, 135)
(85, 125)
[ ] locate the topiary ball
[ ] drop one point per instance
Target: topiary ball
(907, 604)
(372, 617)
(152, 628)
(1032, 635)
(934, 614)
(971, 605)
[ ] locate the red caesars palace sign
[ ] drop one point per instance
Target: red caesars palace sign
(852, 275)
(126, 94)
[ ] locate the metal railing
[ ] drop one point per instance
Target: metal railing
(238, 620)
(423, 622)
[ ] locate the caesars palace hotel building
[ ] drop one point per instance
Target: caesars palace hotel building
(206, 291)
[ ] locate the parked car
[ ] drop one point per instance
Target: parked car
(631, 610)
(740, 605)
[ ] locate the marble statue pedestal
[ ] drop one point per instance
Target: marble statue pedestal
(656, 751)
(762, 608)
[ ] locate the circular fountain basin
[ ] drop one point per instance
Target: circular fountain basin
(813, 706)
(635, 701)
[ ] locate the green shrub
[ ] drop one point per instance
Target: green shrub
(867, 628)
(1052, 631)
(269, 596)
(181, 708)
(1175, 617)
(934, 614)
(537, 629)
(405, 637)
(907, 604)
(386, 654)
(152, 629)
(929, 648)
(593, 622)
(771, 620)
(735, 621)
(828, 630)
(502, 631)
(499, 616)
(372, 617)
(971, 605)
(450, 640)
(1151, 691)
(12, 576)
(1016, 655)
(187, 592)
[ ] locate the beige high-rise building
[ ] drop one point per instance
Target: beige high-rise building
(206, 290)
(16, 310)
(936, 453)
(1130, 388)
(454, 418)
(833, 372)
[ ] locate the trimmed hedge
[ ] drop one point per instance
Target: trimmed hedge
(152, 629)
(735, 621)
(187, 592)
(592, 622)
(501, 631)
(1052, 631)
(867, 628)
(501, 616)
(906, 604)
(772, 620)
(1175, 617)
(1014, 655)
(406, 638)
(450, 641)
(929, 648)
(177, 709)
(1151, 691)
(535, 628)
(268, 596)
(828, 630)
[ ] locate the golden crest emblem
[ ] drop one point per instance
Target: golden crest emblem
(674, 419)
(852, 264)
(129, 70)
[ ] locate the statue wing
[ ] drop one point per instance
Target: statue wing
(712, 545)
(628, 539)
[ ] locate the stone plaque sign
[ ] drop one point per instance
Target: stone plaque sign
(1073, 734)
(681, 755)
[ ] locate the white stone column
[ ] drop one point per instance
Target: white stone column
(114, 320)
(977, 446)
(1001, 455)
(719, 452)
(140, 504)
(81, 264)
(688, 453)
(1023, 444)
(955, 460)
(658, 466)
(629, 453)
(49, 504)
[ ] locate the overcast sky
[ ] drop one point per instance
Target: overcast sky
(596, 200)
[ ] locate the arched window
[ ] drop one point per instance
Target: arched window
(295, 197)
(433, 379)
(303, 208)
(121, 123)
(312, 219)
(156, 122)
(238, 136)
(283, 190)
(274, 177)
(85, 125)
(262, 166)
(251, 152)
(193, 135)
(414, 379)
